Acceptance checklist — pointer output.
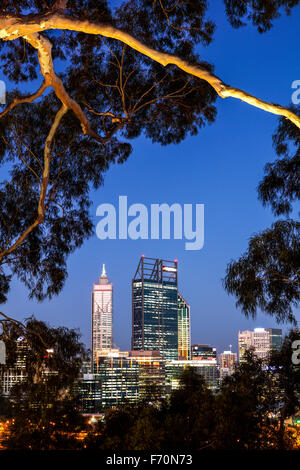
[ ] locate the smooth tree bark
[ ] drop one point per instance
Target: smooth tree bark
(31, 27)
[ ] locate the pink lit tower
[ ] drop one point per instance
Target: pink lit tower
(102, 315)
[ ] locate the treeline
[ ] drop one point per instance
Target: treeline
(250, 411)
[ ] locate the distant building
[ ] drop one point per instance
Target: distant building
(155, 307)
(102, 315)
(207, 368)
(89, 389)
(184, 330)
(204, 357)
(16, 373)
(262, 340)
(120, 376)
(227, 361)
(203, 352)
(152, 372)
(275, 337)
(114, 378)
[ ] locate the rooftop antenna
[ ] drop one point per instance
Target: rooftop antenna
(103, 271)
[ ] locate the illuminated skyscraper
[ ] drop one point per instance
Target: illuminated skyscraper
(102, 315)
(155, 307)
(184, 332)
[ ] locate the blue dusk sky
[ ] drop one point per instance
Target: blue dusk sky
(220, 168)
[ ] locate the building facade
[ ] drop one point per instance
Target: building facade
(119, 379)
(16, 372)
(152, 373)
(184, 330)
(102, 315)
(227, 361)
(208, 369)
(155, 307)
(204, 352)
(262, 340)
(114, 378)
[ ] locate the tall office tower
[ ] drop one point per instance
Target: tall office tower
(154, 307)
(262, 340)
(102, 315)
(184, 331)
(227, 361)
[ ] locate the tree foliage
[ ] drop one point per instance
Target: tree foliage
(249, 412)
(123, 93)
(44, 406)
(280, 186)
(261, 13)
(286, 382)
(267, 276)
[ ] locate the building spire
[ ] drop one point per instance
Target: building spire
(103, 271)
(103, 278)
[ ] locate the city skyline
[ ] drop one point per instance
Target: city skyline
(149, 229)
(125, 344)
(149, 272)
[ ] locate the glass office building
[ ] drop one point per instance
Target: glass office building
(17, 372)
(119, 377)
(275, 338)
(152, 373)
(114, 379)
(207, 368)
(154, 307)
(89, 390)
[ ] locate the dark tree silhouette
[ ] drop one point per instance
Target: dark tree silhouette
(267, 276)
(261, 13)
(44, 406)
